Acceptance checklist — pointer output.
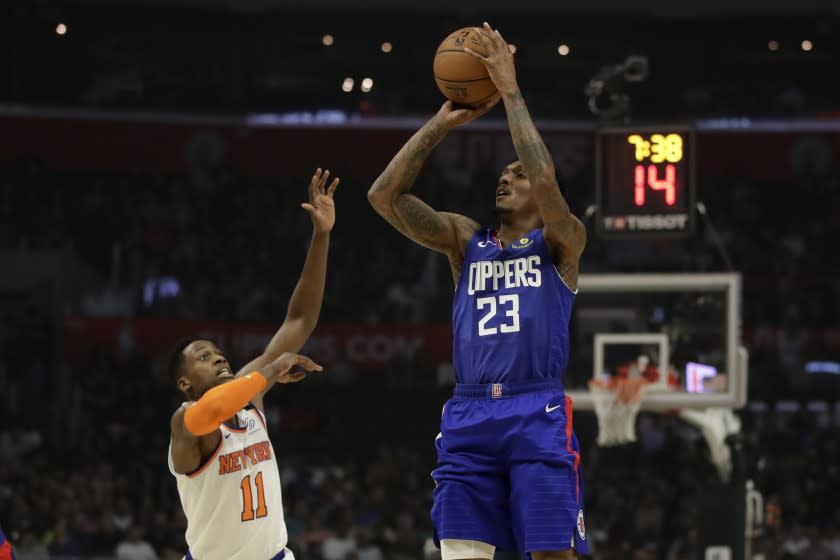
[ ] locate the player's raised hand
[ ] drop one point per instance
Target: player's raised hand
(321, 205)
(280, 370)
(455, 115)
(499, 59)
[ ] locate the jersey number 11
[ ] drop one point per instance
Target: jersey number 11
(248, 512)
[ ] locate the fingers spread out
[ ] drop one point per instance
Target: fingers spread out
(333, 186)
(313, 183)
(323, 181)
(471, 52)
(491, 39)
(494, 33)
(487, 38)
(318, 184)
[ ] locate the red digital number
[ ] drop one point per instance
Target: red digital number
(651, 179)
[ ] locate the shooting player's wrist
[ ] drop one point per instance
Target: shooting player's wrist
(438, 125)
(510, 91)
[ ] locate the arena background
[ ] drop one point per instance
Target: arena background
(153, 156)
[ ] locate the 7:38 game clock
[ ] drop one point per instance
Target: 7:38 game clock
(645, 181)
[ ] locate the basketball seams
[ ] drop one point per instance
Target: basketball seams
(483, 99)
(450, 50)
(442, 79)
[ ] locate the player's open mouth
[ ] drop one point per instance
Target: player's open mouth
(501, 191)
(224, 372)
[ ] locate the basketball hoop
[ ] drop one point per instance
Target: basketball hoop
(617, 404)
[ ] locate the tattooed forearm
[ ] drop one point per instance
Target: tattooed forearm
(390, 195)
(561, 226)
(403, 169)
(530, 148)
(564, 233)
(422, 221)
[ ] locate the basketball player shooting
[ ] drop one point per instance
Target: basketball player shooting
(220, 454)
(508, 473)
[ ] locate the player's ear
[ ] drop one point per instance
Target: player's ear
(184, 384)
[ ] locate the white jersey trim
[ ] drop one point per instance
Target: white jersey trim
(560, 276)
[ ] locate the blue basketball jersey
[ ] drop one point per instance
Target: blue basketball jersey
(510, 316)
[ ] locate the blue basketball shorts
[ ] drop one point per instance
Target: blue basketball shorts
(508, 471)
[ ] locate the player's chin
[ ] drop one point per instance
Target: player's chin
(502, 207)
(222, 379)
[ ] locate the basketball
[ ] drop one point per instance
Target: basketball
(460, 76)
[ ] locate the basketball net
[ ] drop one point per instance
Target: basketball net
(617, 404)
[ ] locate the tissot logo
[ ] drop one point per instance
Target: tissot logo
(646, 222)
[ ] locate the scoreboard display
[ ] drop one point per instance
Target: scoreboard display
(645, 181)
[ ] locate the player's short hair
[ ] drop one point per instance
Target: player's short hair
(176, 357)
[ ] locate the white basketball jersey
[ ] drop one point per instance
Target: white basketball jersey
(233, 502)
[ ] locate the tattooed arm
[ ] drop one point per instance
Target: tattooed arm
(565, 234)
(441, 231)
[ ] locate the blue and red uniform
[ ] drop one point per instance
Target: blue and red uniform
(508, 470)
(6, 552)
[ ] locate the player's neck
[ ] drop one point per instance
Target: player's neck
(512, 228)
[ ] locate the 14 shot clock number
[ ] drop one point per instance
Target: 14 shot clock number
(645, 181)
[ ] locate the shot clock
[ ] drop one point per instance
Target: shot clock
(645, 181)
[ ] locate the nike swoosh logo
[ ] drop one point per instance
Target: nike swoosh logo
(552, 408)
(228, 435)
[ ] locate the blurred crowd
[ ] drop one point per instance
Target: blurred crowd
(174, 246)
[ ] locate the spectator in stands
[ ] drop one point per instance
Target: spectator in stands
(133, 547)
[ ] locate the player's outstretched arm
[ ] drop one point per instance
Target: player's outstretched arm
(390, 197)
(305, 303)
(563, 231)
(202, 418)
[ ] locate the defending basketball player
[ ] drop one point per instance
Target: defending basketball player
(220, 454)
(508, 473)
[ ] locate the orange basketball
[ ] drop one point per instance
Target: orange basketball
(460, 76)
